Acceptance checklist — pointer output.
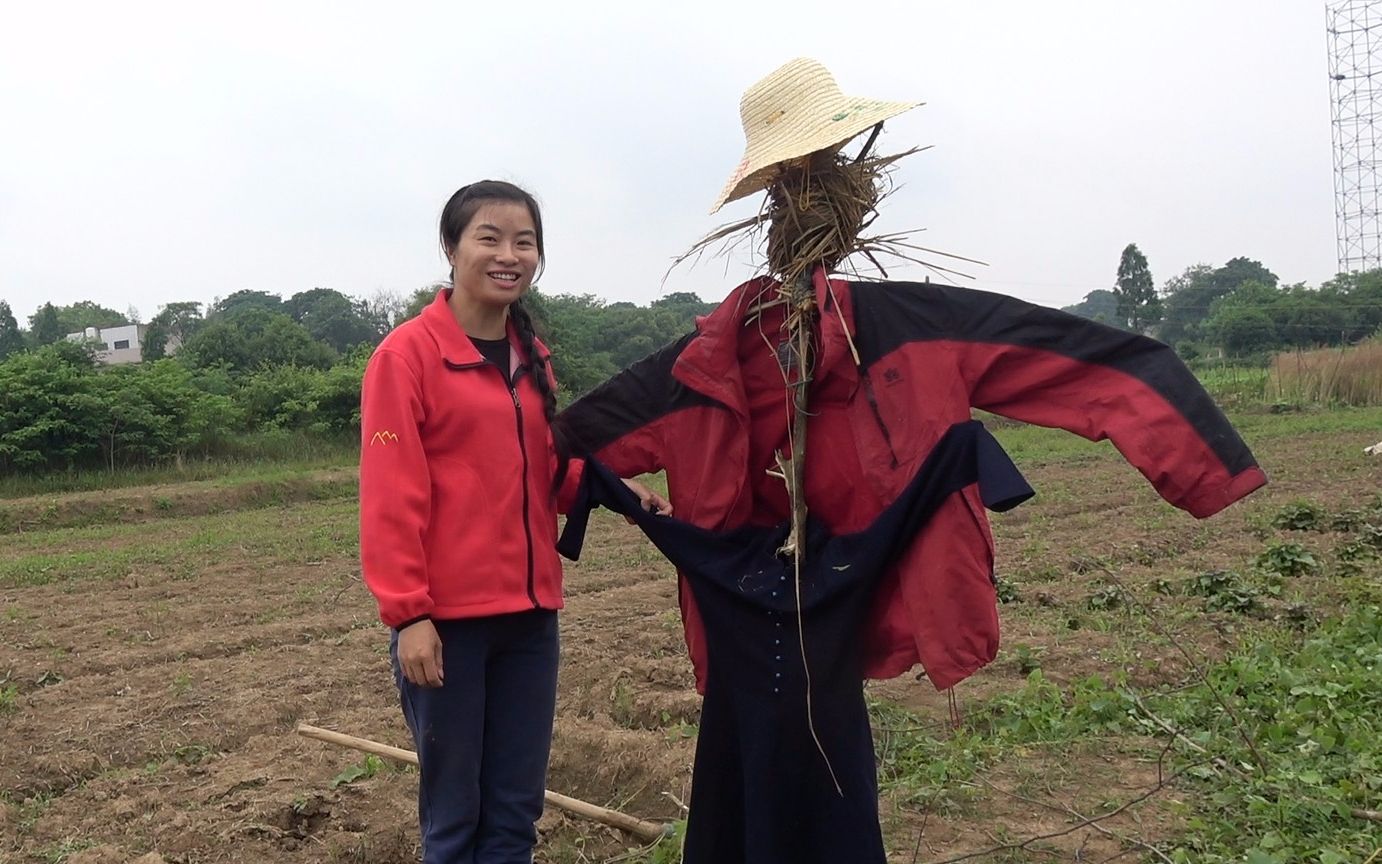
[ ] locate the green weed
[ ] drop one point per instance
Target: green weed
(59, 852)
(1007, 591)
(668, 849)
(1287, 560)
(1300, 516)
(1106, 597)
(363, 770)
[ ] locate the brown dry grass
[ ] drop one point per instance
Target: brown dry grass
(1350, 375)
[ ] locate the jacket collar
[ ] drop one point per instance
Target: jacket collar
(455, 346)
(710, 362)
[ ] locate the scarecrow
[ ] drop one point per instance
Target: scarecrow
(829, 482)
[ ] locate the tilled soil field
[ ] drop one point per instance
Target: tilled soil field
(157, 650)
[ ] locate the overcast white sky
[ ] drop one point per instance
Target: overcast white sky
(153, 152)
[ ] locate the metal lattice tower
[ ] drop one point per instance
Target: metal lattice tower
(1355, 56)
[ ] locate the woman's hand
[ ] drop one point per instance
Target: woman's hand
(648, 500)
(419, 653)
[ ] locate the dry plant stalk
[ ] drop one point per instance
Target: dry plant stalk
(1348, 375)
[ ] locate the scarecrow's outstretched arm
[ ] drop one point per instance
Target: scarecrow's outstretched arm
(623, 421)
(1054, 369)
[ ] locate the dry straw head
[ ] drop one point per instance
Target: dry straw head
(794, 111)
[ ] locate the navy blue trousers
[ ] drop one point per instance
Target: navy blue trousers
(763, 790)
(484, 736)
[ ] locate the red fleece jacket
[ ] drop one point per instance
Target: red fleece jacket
(457, 507)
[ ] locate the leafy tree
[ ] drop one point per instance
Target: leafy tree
(155, 412)
(1360, 293)
(338, 394)
(51, 409)
(11, 339)
(170, 329)
(417, 302)
(1190, 296)
(1245, 330)
(1098, 305)
(1240, 270)
(682, 300)
(293, 397)
(280, 397)
(1139, 307)
(83, 314)
(251, 338)
(333, 318)
(44, 326)
(591, 339)
(1311, 320)
(245, 300)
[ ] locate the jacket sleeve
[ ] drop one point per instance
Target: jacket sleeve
(570, 484)
(566, 493)
(623, 421)
(1051, 368)
(395, 490)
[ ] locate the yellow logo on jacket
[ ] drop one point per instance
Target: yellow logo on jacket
(382, 438)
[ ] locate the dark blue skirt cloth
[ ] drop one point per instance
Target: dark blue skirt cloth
(763, 790)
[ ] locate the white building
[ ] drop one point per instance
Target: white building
(123, 344)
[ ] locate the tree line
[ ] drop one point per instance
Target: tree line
(253, 364)
(1239, 310)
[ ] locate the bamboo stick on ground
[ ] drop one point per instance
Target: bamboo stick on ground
(640, 828)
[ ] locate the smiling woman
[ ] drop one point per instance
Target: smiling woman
(461, 479)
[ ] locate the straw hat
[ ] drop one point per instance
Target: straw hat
(794, 111)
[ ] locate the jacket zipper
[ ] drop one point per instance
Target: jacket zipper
(877, 414)
(523, 450)
(527, 525)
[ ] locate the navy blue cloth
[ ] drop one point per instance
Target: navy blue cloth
(484, 736)
(762, 791)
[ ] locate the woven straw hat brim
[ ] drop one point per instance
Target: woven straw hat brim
(761, 157)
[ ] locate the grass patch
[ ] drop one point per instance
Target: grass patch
(1029, 444)
(138, 504)
(253, 457)
(1308, 703)
(1234, 386)
(288, 535)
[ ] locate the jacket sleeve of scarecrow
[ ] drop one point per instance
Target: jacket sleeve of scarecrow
(569, 490)
(1054, 369)
(395, 490)
(624, 421)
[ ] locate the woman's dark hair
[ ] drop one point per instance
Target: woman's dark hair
(455, 217)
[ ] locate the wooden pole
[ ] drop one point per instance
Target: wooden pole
(645, 831)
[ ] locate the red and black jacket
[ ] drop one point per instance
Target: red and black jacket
(927, 355)
(457, 509)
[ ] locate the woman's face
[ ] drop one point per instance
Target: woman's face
(497, 255)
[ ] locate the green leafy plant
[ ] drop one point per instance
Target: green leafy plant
(1027, 658)
(1347, 521)
(1007, 592)
(668, 848)
(1225, 592)
(1287, 559)
(363, 770)
(1106, 597)
(1300, 516)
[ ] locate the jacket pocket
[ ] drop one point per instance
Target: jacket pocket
(462, 532)
(975, 508)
